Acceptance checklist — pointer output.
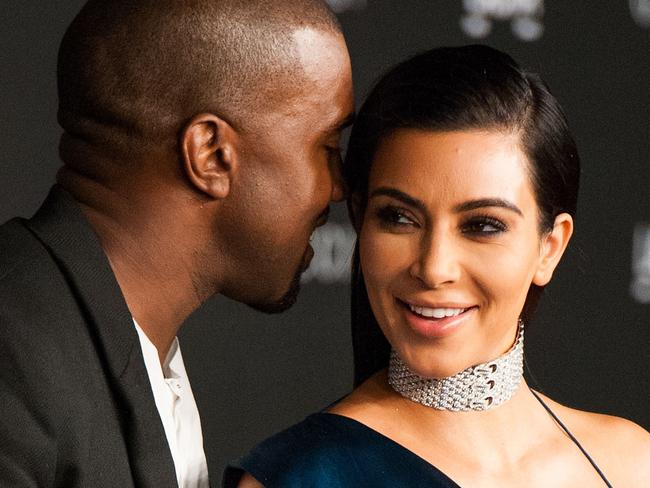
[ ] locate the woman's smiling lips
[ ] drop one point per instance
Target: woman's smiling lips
(435, 320)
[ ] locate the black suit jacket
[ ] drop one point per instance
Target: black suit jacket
(76, 405)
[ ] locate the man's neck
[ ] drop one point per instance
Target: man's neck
(154, 272)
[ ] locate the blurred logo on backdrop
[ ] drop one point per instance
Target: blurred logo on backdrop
(525, 17)
(640, 287)
(641, 12)
(333, 246)
(340, 6)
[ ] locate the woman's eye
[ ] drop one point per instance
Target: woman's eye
(391, 216)
(484, 226)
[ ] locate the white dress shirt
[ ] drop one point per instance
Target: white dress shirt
(178, 412)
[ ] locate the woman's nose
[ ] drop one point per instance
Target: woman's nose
(437, 262)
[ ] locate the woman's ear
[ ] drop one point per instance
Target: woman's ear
(209, 155)
(552, 248)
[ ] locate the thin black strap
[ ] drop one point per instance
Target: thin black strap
(575, 441)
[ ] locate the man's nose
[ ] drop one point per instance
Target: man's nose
(437, 262)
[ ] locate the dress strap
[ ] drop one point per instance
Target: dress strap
(575, 441)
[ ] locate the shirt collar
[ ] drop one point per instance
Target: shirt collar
(172, 366)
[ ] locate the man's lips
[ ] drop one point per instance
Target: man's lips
(306, 258)
(309, 252)
(323, 217)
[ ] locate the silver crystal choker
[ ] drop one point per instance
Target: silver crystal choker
(479, 387)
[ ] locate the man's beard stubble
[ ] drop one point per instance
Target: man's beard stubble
(291, 296)
(287, 300)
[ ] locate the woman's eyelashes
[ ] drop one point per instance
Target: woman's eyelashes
(399, 219)
(392, 217)
(484, 226)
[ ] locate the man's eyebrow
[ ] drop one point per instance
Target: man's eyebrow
(487, 202)
(399, 195)
(340, 126)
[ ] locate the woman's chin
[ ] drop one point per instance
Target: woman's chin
(431, 368)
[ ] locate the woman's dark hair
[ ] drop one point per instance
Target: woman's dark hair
(451, 89)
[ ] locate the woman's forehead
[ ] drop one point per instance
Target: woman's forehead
(471, 163)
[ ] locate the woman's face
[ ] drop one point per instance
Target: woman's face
(450, 245)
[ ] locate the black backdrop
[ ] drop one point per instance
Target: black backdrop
(254, 374)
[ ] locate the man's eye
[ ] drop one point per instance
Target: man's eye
(333, 153)
(392, 216)
(484, 226)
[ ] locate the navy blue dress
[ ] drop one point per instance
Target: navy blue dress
(331, 451)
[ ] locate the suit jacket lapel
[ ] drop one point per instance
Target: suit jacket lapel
(62, 228)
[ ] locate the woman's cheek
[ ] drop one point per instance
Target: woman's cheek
(505, 275)
(376, 262)
(384, 257)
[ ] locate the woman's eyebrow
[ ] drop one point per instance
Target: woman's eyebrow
(399, 195)
(487, 202)
(462, 207)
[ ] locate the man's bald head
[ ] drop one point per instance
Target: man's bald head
(131, 73)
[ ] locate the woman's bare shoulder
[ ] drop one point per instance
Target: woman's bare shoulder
(619, 446)
(366, 401)
(601, 428)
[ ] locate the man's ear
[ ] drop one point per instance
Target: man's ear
(552, 248)
(208, 154)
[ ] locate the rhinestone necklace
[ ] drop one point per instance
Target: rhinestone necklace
(478, 387)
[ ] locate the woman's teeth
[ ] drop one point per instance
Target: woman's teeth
(436, 313)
